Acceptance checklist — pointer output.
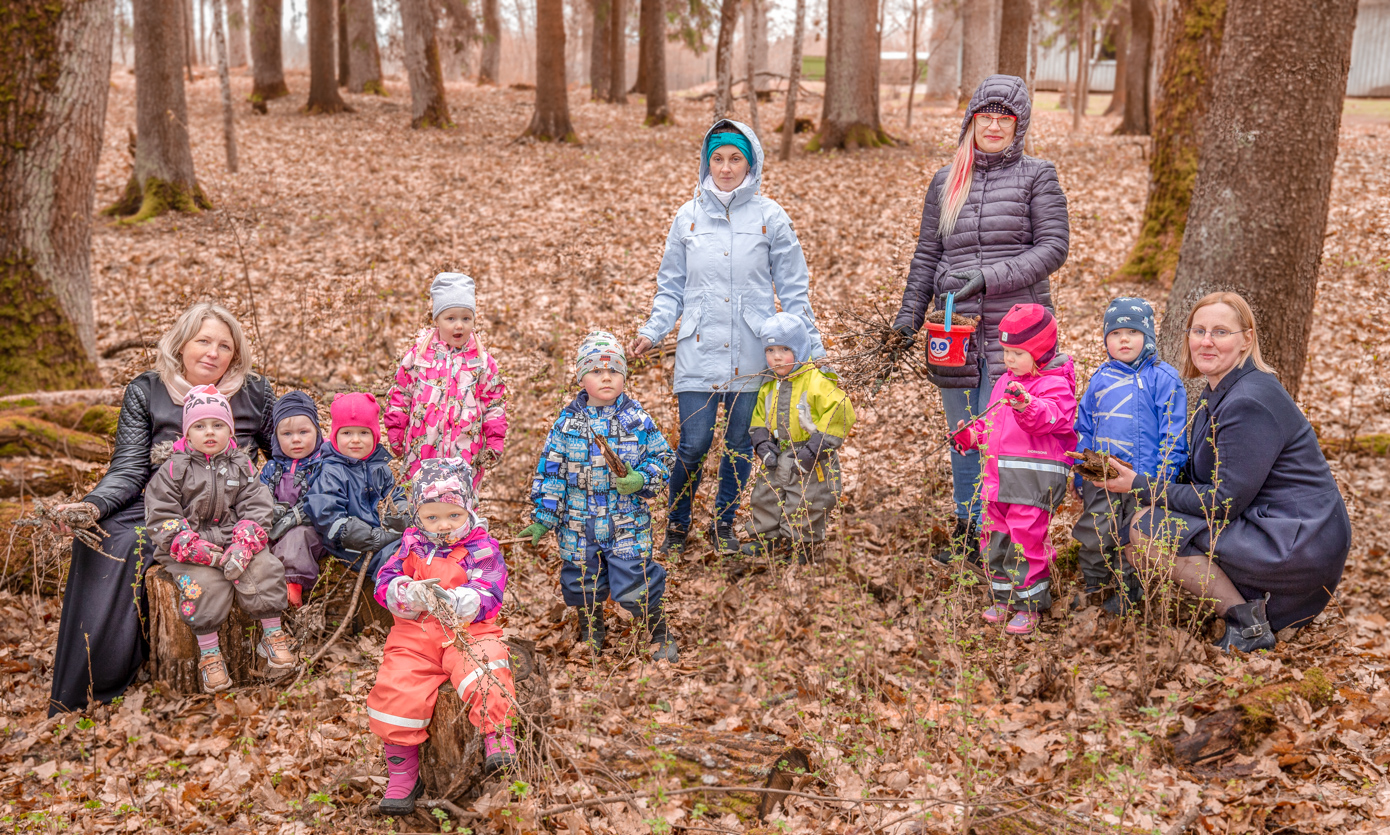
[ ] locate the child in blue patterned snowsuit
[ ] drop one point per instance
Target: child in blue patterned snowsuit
(1135, 408)
(601, 520)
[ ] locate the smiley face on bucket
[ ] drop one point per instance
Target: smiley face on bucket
(939, 346)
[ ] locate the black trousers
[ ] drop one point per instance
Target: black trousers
(103, 635)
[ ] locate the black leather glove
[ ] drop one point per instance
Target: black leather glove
(763, 446)
(974, 283)
(900, 343)
(808, 452)
(289, 517)
(379, 539)
(356, 535)
(396, 520)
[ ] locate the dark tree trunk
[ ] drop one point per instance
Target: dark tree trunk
(1014, 20)
(236, 32)
(849, 116)
(267, 65)
(980, 45)
(57, 68)
(598, 50)
(1138, 66)
(551, 120)
(163, 179)
(794, 81)
(1123, 24)
(1259, 204)
(490, 63)
(342, 44)
(617, 56)
(364, 56)
(724, 59)
(323, 82)
(428, 107)
(943, 58)
(653, 23)
(1194, 46)
(1085, 49)
(639, 86)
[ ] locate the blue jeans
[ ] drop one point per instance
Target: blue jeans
(698, 412)
(966, 405)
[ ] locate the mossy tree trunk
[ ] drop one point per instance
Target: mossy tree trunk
(943, 60)
(653, 26)
(420, 36)
(1015, 18)
(551, 120)
(617, 52)
(53, 91)
(267, 64)
(490, 62)
(323, 79)
(1189, 65)
(364, 54)
(1259, 204)
(598, 49)
(724, 59)
(980, 45)
(849, 114)
(1138, 66)
(163, 179)
(236, 32)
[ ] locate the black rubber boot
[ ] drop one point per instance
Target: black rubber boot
(666, 649)
(723, 538)
(592, 629)
(674, 543)
(1247, 628)
(1125, 599)
(965, 541)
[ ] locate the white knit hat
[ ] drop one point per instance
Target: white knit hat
(452, 290)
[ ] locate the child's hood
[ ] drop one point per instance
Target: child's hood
(379, 456)
(178, 451)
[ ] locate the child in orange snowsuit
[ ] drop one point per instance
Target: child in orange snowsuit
(447, 560)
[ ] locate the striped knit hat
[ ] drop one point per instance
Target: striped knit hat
(1031, 328)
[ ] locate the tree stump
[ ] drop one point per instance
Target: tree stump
(174, 650)
(451, 761)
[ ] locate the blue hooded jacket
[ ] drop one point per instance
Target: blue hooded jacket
(349, 487)
(291, 404)
(1137, 415)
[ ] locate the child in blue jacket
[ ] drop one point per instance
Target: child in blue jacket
(1135, 409)
(293, 466)
(601, 519)
(354, 477)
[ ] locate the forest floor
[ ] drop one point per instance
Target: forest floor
(872, 661)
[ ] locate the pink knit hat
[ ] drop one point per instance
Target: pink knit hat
(358, 408)
(1031, 328)
(206, 402)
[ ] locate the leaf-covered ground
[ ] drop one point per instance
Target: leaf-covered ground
(872, 661)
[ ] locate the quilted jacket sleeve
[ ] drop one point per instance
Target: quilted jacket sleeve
(163, 511)
(1085, 426)
(1051, 239)
(921, 274)
(261, 386)
(657, 457)
(1172, 423)
(130, 462)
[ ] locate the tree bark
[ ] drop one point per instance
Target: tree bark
(236, 32)
(163, 179)
(323, 81)
(849, 116)
(599, 44)
(980, 45)
(1015, 18)
(916, 70)
(174, 651)
(639, 86)
(1259, 204)
(943, 59)
(1083, 66)
(551, 120)
(1122, 27)
(490, 63)
(224, 79)
(342, 42)
(758, 19)
(617, 56)
(724, 59)
(751, 63)
(267, 65)
(57, 68)
(1194, 47)
(364, 56)
(1138, 67)
(793, 81)
(428, 106)
(653, 24)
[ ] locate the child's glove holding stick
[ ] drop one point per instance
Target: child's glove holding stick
(534, 532)
(1016, 397)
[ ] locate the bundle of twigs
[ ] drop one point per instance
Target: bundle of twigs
(870, 354)
(45, 516)
(1094, 466)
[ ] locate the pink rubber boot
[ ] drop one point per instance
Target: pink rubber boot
(405, 785)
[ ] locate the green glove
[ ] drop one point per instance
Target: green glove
(535, 530)
(630, 483)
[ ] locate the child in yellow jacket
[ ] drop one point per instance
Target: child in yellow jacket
(800, 419)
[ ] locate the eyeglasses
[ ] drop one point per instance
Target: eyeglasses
(1217, 334)
(984, 120)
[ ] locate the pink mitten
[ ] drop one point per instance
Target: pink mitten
(237, 558)
(1015, 396)
(251, 535)
(191, 548)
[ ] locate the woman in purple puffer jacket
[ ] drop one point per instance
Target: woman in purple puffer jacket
(994, 227)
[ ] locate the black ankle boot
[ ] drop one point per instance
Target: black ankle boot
(1126, 599)
(964, 541)
(666, 649)
(592, 629)
(1247, 628)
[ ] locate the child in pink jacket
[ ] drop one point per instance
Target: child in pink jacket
(1026, 472)
(448, 400)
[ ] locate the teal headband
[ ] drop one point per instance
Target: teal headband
(734, 138)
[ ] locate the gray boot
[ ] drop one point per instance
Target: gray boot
(592, 629)
(666, 649)
(1247, 628)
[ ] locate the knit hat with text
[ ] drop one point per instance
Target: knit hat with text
(204, 402)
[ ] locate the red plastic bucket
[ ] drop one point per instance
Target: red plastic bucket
(947, 348)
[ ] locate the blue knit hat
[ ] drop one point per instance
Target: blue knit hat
(289, 405)
(1133, 312)
(788, 330)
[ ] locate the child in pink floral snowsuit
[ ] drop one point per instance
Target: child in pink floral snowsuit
(448, 400)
